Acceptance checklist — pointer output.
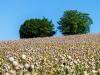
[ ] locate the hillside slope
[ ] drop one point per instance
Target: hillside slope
(45, 53)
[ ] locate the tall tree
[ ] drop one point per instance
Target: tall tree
(36, 28)
(75, 22)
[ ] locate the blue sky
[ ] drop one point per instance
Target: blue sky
(14, 12)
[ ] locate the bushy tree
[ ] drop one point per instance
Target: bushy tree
(75, 22)
(36, 28)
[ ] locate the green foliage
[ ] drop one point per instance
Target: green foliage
(36, 28)
(57, 70)
(75, 22)
(79, 69)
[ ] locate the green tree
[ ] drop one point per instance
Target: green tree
(75, 22)
(36, 28)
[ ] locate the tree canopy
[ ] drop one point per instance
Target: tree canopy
(36, 28)
(75, 22)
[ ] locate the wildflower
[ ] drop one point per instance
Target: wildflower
(62, 58)
(23, 56)
(71, 63)
(67, 67)
(69, 57)
(94, 71)
(7, 73)
(75, 62)
(21, 66)
(78, 60)
(17, 68)
(85, 73)
(62, 65)
(6, 66)
(56, 59)
(12, 72)
(15, 63)
(27, 66)
(32, 66)
(11, 59)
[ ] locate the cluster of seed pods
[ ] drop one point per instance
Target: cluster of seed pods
(67, 55)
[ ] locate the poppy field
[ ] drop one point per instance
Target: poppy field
(66, 55)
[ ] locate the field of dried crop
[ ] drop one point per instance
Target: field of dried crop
(67, 55)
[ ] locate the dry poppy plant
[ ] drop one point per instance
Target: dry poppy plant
(67, 55)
